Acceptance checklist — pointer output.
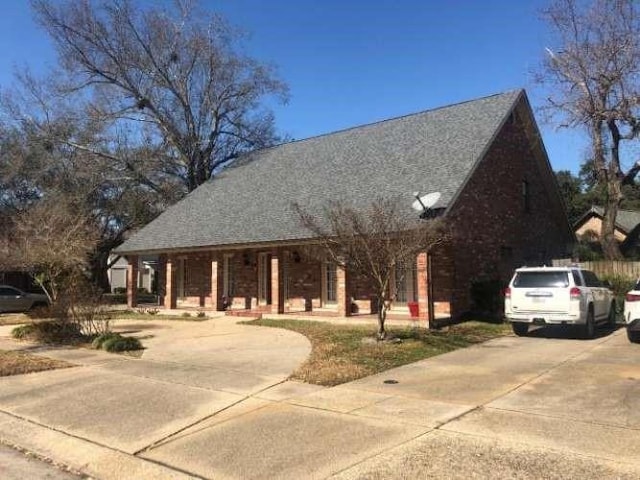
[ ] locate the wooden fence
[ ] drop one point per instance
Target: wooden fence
(606, 268)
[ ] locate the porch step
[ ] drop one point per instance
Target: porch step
(244, 313)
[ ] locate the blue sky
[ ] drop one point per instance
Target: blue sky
(353, 62)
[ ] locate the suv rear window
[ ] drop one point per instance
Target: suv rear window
(541, 279)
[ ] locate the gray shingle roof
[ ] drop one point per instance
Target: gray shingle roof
(626, 220)
(251, 201)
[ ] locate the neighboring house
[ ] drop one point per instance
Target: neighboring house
(146, 273)
(588, 227)
(237, 240)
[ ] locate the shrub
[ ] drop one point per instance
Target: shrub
(115, 298)
(487, 297)
(186, 314)
(619, 284)
(50, 332)
(120, 290)
(201, 315)
(101, 339)
(23, 331)
(119, 343)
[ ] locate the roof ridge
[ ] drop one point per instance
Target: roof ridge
(595, 207)
(399, 117)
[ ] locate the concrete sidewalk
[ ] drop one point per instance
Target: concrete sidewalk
(509, 408)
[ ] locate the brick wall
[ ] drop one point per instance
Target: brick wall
(197, 282)
(361, 290)
(442, 278)
(493, 232)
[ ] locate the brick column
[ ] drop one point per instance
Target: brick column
(342, 293)
(170, 294)
(132, 281)
(216, 283)
(277, 290)
(423, 286)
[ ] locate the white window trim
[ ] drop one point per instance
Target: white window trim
(324, 285)
(264, 259)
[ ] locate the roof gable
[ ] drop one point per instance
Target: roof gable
(250, 202)
(626, 220)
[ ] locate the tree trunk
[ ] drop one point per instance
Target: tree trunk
(382, 316)
(613, 181)
(610, 247)
(99, 266)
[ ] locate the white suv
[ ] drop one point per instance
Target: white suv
(558, 296)
(632, 313)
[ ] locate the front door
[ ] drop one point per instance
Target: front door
(182, 278)
(264, 279)
(329, 284)
(404, 284)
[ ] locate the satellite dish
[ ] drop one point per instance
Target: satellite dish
(425, 202)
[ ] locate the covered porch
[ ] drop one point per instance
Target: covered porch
(285, 280)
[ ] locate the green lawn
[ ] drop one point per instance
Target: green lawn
(341, 353)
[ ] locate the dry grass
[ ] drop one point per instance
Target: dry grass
(342, 353)
(18, 363)
(14, 319)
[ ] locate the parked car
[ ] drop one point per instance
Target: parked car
(15, 300)
(632, 313)
(558, 296)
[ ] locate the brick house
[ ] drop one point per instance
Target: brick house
(236, 239)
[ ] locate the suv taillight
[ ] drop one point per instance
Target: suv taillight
(630, 297)
(507, 292)
(574, 293)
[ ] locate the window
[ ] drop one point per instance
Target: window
(264, 278)
(590, 279)
(526, 196)
(8, 292)
(506, 253)
(285, 279)
(404, 283)
(227, 276)
(541, 279)
(329, 283)
(576, 278)
(183, 281)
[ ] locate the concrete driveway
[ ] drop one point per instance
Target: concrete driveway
(510, 408)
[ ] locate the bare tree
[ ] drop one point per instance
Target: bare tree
(32, 168)
(373, 242)
(51, 241)
(168, 78)
(147, 104)
(594, 80)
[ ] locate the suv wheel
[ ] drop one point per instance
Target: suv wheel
(520, 329)
(589, 328)
(633, 336)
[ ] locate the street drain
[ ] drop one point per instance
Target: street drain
(390, 382)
